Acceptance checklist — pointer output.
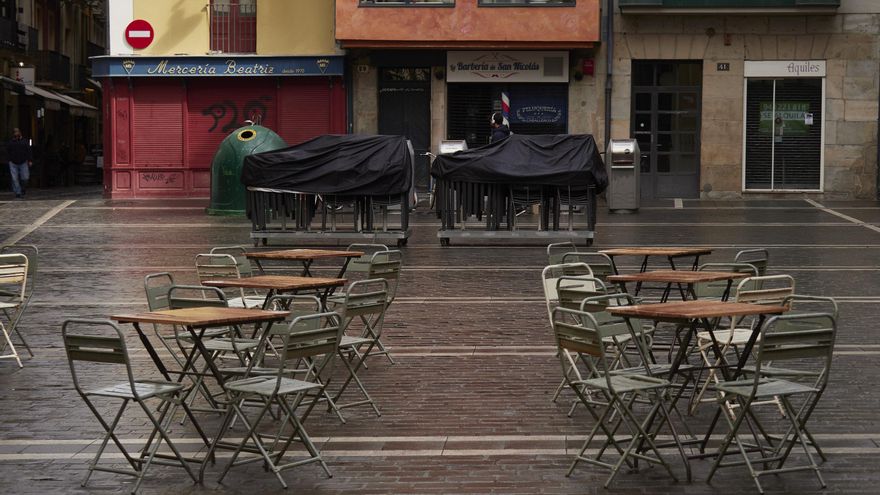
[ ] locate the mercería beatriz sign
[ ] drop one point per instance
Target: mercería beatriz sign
(216, 66)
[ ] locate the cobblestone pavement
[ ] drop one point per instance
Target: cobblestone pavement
(467, 407)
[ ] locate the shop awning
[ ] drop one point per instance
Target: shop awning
(12, 84)
(54, 100)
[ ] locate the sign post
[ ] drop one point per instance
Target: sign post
(139, 34)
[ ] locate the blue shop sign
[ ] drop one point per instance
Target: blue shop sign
(216, 66)
(531, 108)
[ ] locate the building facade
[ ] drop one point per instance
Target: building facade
(210, 68)
(47, 90)
(437, 70)
(734, 100)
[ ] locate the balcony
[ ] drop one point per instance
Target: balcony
(53, 67)
(737, 7)
(9, 34)
(467, 24)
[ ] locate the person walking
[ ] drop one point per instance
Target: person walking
(18, 150)
(499, 128)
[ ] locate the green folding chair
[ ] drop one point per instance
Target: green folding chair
(579, 332)
(315, 337)
(363, 315)
(97, 346)
(759, 258)
(800, 341)
(218, 266)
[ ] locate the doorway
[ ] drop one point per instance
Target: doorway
(666, 101)
(405, 110)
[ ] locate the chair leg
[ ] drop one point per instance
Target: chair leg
(157, 424)
(109, 435)
(730, 438)
(11, 346)
(799, 431)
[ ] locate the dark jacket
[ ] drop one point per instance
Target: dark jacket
(18, 151)
(499, 133)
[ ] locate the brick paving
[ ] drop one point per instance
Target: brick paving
(467, 407)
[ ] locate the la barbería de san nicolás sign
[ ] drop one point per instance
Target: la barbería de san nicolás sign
(223, 66)
(506, 66)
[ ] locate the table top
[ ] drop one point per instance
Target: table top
(202, 317)
(657, 251)
(276, 282)
(302, 254)
(690, 310)
(677, 276)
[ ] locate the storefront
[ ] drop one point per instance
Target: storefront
(783, 138)
(529, 88)
(165, 116)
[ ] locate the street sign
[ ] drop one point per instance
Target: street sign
(139, 34)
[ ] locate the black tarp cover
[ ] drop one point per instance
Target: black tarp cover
(335, 164)
(552, 160)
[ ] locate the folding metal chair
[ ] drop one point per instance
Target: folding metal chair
(383, 264)
(7, 295)
(111, 350)
(13, 279)
(362, 310)
(220, 266)
(557, 250)
(801, 341)
(314, 337)
(759, 258)
(769, 290)
(579, 332)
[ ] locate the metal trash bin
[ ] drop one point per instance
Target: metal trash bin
(623, 175)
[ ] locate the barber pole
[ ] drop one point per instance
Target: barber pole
(505, 108)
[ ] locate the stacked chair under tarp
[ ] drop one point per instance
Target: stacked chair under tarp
(332, 187)
(498, 182)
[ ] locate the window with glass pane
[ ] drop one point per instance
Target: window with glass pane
(234, 26)
(407, 3)
(536, 3)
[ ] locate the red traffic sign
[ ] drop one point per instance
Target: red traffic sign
(139, 34)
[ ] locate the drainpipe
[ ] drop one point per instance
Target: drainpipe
(609, 60)
(877, 179)
(349, 94)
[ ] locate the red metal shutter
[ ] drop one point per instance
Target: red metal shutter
(304, 108)
(157, 123)
(216, 107)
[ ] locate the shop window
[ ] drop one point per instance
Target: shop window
(234, 26)
(407, 3)
(529, 3)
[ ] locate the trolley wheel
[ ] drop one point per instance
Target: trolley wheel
(401, 242)
(265, 241)
(444, 241)
(589, 242)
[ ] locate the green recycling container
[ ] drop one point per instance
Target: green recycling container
(227, 192)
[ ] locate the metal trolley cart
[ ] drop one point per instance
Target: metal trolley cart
(480, 192)
(335, 187)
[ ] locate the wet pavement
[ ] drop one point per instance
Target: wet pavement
(467, 407)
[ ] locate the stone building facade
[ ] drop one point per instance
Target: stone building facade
(737, 51)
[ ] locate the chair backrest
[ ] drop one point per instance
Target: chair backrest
(366, 299)
(551, 274)
(195, 296)
(314, 337)
(14, 275)
(156, 286)
(33, 256)
(557, 250)
(387, 265)
(717, 289)
(767, 289)
(806, 339)
(99, 345)
(362, 263)
(579, 332)
(572, 290)
(759, 258)
(600, 263)
(245, 268)
(219, 266)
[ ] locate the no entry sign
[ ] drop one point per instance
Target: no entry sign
(139, 34)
